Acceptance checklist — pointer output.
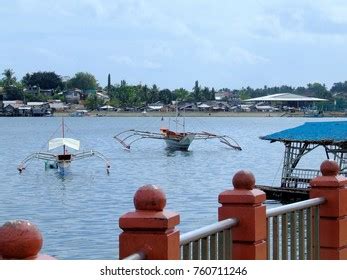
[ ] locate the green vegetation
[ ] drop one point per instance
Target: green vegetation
(34, 87)
(83, 81)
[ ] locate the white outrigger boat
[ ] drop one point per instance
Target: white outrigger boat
(174, 140)
(63, 160)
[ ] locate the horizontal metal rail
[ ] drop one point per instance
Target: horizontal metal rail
(136, 256)
(294, 206)
(206, 231)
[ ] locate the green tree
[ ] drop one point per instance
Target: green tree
(108, 84)
(9, 79)
(166, 96)
(43, 80)
(213, 94)
(83, 81)
(182, 94)
(11, 88)
(319, 90)
(196, 91)
(153, 94)
(205, 94)
(339, 87)
(93, 102)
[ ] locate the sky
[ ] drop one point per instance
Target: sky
(220, 43)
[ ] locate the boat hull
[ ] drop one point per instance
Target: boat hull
(179, 144)
(63, 166)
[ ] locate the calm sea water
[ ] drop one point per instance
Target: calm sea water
(78, 214)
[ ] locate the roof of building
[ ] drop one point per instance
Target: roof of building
(285, 97)
(313, 132)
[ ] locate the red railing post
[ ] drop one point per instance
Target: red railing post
(150, 228)
(333, 213)
(245, 203)
(21, 240)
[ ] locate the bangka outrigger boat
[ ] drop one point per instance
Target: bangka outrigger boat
(174, 140)
(62, 161)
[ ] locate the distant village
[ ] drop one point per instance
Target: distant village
(46, 93)
(74, 104)
(74, 100)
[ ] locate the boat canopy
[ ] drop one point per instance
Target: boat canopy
(58, 142)
(323, 133)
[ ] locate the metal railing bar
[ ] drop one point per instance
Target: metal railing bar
(301, 235)
(294, 206)
(136, 256)
(227, 244)
(186, 252)
(213, 247)
(220, 245)
(204, 248)
(293, 251)
(284, 237)
(316, 233)
(309, 234)
(196, 250)
(207, 231)
(275, 238)
(268, 227)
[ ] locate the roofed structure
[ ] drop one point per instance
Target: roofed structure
(324, 133)
(299, 141)
(285, 97)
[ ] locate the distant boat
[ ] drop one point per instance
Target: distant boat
(62, 161)
(174, 140)
(80, 113)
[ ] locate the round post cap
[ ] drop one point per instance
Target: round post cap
(149, 198)
(329, 168)
(19, 239)
(243, 179)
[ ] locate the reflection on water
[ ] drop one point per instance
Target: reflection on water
(173, 153)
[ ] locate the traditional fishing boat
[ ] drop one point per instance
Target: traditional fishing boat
(62, 160)
(174, 140)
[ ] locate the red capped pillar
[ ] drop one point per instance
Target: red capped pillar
(150, 229)
(245, 203)
(333, 213)
(21, 240)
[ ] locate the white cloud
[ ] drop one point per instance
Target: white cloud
(240, 55)
(151, 64)
(130, 62)
(48, 54)
(122, 60)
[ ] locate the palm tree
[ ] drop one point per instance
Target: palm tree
(9, 78)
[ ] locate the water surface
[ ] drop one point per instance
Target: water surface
(78, 214)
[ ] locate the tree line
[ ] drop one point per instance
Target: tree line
(124, 94)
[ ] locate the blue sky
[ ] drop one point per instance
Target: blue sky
(221, 43)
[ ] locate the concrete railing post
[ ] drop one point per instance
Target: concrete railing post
(245, 203)
(333, 213)
(150, 228)
(21, 240)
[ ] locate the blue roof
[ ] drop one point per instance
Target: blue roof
(312, 132)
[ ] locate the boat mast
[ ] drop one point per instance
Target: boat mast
(62, 119)
(176, 117)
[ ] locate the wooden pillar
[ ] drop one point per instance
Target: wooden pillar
(333, 213)
(21, 240)
(150, 228)
(245, 203)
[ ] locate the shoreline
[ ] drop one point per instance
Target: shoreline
(201, 114)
